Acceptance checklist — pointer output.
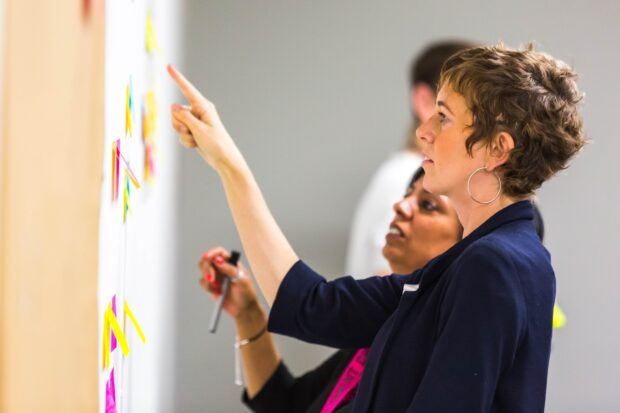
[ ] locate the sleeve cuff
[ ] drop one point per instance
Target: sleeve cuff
(297, 282)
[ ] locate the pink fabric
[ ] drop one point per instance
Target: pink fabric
(345, 389)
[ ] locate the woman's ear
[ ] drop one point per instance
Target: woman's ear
(499, 150)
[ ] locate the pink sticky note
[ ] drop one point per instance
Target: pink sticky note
(151, 161)
(110, 395)
(113, 337)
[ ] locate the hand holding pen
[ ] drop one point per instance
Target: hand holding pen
(241, 302)
(241, 296)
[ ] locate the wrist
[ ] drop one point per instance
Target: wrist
(253, 314)
(244, 342)
(234, 170)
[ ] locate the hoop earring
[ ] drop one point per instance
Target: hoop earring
(499, 191)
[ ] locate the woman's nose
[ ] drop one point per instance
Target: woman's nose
(426, 131)
(403, 208)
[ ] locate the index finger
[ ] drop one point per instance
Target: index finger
(189, 91)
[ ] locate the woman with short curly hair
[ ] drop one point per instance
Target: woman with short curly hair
(471, 330)
(530, 96)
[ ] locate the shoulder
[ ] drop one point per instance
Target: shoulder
(515, 248)
(484, 287)
(506, 263)
(488, 267)
(487, 251)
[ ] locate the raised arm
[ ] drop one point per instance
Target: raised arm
(268, 251)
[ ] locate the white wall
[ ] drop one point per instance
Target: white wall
(315, 94)
(137, 258)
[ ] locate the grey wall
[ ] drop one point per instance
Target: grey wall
(315, 94)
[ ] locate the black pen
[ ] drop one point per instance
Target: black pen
(215, 318)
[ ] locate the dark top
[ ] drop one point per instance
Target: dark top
(469, 332)
(306, 394)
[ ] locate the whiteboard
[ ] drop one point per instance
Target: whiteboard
(136, 253)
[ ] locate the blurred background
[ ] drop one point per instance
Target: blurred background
(316, 95)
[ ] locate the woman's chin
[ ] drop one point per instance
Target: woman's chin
(430, 185)
(388, 254)
(427, 183)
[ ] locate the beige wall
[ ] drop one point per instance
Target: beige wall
(52, 141)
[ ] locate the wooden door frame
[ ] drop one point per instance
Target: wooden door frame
(51, 155)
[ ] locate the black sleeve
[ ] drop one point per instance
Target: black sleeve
(344, 313)
(283, 393)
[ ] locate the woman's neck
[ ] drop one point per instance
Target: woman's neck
(472, 214)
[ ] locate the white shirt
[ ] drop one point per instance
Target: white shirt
(374, 213)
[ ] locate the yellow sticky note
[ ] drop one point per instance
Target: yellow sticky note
(150, 114)
(134, 322)
(128, 104)
(106, 341)
(120, 337)
(125, 198)
(559, 318)
(146, 129)
(152, 45)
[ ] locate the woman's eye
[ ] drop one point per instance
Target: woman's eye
(442, 117)
(428, 205)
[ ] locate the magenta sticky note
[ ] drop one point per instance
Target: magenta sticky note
(110, 395)
(113, 337)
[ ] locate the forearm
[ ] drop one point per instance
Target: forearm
(260, 357)
(268, 251)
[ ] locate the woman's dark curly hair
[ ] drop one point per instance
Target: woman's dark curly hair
(529, 95)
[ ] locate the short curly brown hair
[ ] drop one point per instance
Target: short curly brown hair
(529, 95)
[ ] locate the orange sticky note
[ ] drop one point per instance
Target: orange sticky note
(133, 178)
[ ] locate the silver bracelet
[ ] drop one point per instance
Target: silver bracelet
(246, 341)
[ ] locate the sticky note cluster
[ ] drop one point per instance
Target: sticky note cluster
(113, 333)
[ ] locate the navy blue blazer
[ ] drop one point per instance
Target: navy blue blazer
(469, 332)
